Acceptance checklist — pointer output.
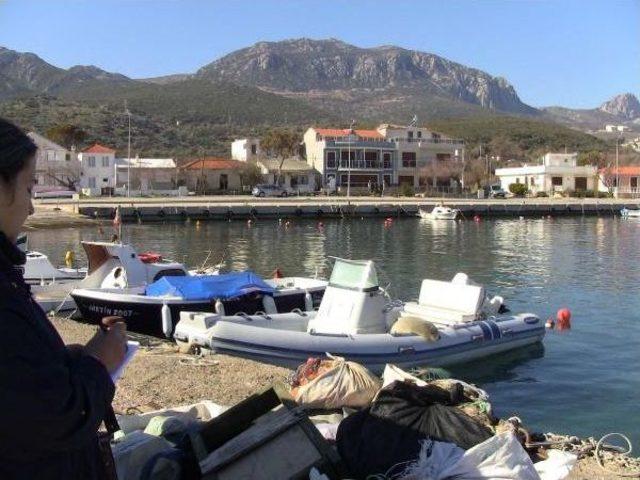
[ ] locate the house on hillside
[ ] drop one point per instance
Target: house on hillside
(97, 170)
(57, 168)
(557, 172)
(622, 182)
(210, 175)
(146, 176)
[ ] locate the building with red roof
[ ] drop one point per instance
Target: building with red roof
(208, 175)
(385, 156)
(97, 170)
(622, 181)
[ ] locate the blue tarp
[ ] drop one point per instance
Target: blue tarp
(209, 287)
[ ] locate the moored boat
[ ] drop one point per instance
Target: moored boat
(449, 324)
(626, 212)
(440, 212)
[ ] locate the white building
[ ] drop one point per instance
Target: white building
(146, 175)
(388, 155)
(296, 175)
(558, 172)
(97, 170)
(616, 128)
(56, 166)
(246, 149)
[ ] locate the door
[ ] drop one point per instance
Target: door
(581, 183)
(224, 181)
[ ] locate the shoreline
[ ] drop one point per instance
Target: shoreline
(159, 376)
(71, 213)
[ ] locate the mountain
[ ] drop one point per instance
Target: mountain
(28, 73)
(622, 109)
(293, 84)
(623, 106)
(332, 71)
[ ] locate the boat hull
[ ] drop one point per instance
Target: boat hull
(253, 339)
(144, 314)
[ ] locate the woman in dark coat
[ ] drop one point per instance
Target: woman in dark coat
(53, 398)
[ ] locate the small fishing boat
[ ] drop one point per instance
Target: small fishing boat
(440, 212)
(452, 322)
(38, 270)
(154, 308)
(626, 212)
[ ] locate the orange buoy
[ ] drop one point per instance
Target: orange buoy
(564, 319)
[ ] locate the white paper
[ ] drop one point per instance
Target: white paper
(132, 348)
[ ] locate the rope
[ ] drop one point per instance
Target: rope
(600, 444)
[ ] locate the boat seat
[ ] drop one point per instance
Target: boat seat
(446, 302)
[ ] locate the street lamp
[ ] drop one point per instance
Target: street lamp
(353, 122)
(617, 170)
(128, 113)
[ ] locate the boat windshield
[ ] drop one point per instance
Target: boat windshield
(354, 274)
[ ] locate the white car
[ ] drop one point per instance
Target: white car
(267, 190)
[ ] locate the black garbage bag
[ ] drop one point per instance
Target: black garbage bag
(429, 410)
(369, 445)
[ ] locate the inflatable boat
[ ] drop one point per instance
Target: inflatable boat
(452, 322)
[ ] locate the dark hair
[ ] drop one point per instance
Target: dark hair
(16, 148)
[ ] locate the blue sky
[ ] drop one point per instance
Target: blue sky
(574, 53)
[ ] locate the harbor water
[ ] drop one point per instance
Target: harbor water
(584, 382)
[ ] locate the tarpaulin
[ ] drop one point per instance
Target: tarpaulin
(209, 287)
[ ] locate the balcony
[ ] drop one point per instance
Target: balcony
(431, 141)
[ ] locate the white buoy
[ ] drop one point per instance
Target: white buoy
(308, 302)
(167, 324)
(219, 307)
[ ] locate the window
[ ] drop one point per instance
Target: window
(67, 156)
(532, 181)
(92, 182)
(224, 181)
(581, 183)
(105, 180)
(331, 159)
(386, 160)
(443, 157)
(410, 135)
(254, 149)
(105, 161)
(517, 180)
(91, 161)
(419, 134)
(409, 160)
(556, 181)
(633, 182)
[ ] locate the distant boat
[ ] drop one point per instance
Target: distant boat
(440, 212)
(625, 212)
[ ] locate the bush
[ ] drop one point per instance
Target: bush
(589, 194)
(605, 195)
(406, 190)
(541, 194)
(518, 189)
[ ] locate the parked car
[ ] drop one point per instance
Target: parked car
(495, 191)
(267, 190)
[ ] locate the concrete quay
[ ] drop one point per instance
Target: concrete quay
(243, 207)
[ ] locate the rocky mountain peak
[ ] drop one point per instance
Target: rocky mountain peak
(625, 106)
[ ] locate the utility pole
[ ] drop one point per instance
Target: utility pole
(617, 169)
(128, 113)
(353, 122)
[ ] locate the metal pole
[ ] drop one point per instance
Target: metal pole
(129, 156)
(617, 170)
(349, 154)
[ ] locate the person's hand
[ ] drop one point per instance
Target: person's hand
(109, 344)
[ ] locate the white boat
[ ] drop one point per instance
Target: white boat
(440, 212)
(449, 324)
(38, 270)
(626, 212)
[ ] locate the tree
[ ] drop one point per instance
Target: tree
(250, 175)
(66, 135)
(592, 157)
(281, 144)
